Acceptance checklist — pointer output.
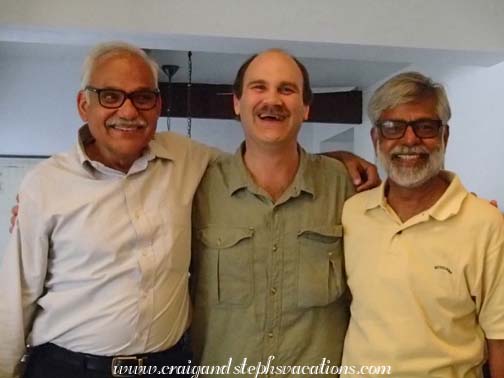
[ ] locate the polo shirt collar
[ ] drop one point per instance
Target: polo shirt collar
(446, 206)
(238, 176)
(451, 201)
(376, 197)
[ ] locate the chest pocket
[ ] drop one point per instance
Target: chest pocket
(230, 250)
(321, 274)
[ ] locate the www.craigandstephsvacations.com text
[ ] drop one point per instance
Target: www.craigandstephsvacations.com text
(256, 369)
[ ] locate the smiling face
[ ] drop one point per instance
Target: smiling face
(271, 106)
(411, 161)
(120, 134)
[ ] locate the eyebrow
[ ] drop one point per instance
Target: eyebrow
(256, 82)
(282, 83)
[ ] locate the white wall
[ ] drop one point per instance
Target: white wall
(38, 114)
(475, 148)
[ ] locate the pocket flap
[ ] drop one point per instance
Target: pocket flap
(323, 233)
(219, 237)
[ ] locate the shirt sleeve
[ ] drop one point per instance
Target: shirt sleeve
(207, 153)
(491, 316)
(22, 276)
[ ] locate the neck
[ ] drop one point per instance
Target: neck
(408, 202)
(272, 169)
(119, 163)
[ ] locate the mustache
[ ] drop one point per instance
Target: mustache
(273, 110)
(124, 123)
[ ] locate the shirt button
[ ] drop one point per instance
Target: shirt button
(273, 290)
(270, 335)
(275, 248)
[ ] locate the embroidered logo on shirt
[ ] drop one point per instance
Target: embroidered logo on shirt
(442, 267)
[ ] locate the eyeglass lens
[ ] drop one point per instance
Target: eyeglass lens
(423, 128)
(113, 98)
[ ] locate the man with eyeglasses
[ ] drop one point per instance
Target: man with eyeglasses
(95, 277)
(427, 279)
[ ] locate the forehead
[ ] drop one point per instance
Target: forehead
(122, 71)
(410, 111)
(274, 66)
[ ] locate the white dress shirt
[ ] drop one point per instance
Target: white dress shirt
(98, 261)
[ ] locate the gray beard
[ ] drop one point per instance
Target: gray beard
(412, 177)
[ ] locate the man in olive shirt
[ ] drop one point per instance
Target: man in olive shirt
(267, 252)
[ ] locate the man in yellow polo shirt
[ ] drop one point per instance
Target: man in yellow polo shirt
(424, 258)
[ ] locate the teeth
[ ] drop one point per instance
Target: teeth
(274, 116)
(127, 129)
(407, 157)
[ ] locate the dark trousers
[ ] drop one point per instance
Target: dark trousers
(52, 361)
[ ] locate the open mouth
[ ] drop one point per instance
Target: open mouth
(127, 129)
(271, 117)
(410, 157)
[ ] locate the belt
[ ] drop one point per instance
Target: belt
(107, 363)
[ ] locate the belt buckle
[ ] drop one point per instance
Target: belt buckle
(118, 362)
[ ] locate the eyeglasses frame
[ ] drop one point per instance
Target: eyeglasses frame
(413, 125)
(126, 96)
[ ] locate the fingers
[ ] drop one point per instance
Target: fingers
(355, 173)
(14, 214)
(370, 179)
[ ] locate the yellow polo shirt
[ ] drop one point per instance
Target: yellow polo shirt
(426, 292)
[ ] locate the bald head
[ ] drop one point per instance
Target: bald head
(305, 77)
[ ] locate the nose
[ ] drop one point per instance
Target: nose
(409, 138)
(127, 110)
(273, 97)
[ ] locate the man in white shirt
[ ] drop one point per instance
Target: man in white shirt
(95, 276)
(98, 264)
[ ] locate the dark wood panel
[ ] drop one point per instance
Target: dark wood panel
(337, 107)
(215, 101)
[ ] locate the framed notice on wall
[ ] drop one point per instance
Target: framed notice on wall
(12, 170)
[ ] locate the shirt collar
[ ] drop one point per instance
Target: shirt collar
(451, 201)
(155, 149)
(446, 206)
(239, 177)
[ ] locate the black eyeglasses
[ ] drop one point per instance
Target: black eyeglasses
(423, 128)
(115, 98)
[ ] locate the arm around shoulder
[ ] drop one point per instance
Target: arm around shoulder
(363, 174)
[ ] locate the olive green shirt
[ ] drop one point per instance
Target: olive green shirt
(268, 276)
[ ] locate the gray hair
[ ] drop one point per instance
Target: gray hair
(408, 87)
(114, 48)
